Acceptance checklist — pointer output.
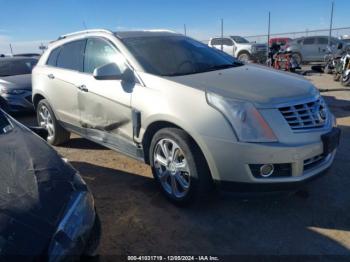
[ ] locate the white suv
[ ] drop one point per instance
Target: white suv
(198, 116)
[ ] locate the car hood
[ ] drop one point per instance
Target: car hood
(35, 187)
(17, 82)
(260, 85)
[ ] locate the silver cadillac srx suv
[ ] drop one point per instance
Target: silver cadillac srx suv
(198, 116)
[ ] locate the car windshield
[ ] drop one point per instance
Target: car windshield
(9, 67)
(240, 40)
(177, 55)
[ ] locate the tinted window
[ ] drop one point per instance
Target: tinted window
(240, 40)
(53, 57)
(309, 41)
(72, 55)
(177, 55)
(216, 41)
(11, 67)
(99, 52)
(227, 41)
(322, 40)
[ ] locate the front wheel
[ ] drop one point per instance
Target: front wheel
(178, 166)
(345, 79)
(56, 133)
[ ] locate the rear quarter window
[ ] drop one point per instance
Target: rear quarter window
(52, 60)
(71, 56)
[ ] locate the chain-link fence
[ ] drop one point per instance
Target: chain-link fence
(336, 32)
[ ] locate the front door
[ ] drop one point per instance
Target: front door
(105, 105)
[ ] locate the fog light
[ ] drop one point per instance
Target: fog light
(267, 170)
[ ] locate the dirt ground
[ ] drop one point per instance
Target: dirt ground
(137, 220)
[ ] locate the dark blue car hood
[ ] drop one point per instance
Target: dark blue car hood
(36, 185)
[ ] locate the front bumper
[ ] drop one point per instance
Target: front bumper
(260, 56)
(19, 103)
(231, 162)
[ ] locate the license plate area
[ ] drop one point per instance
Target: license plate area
(330, 141)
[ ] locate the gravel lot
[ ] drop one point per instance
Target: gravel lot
(137, 220)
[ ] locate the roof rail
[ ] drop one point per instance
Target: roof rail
(85, 32)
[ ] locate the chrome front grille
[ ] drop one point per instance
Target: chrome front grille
(308, 115)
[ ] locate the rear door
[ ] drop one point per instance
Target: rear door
(63, 76)
(322, 44)
(309, 49)
(105, 105)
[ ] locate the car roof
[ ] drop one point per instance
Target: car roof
(146, 33)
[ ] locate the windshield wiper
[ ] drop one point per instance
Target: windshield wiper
(223, 66)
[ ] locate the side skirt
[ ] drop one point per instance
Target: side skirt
(114, 142)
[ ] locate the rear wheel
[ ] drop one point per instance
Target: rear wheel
(345, 79)
(178, 166)
(244, 57)
(46, 119)
(297, 58)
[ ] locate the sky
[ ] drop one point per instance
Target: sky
(27, 23)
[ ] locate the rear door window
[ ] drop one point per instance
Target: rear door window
(72, 56)
(309, 41)
(322, 40)
(216, 41)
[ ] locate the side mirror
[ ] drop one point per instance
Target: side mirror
(108, 72)
(40, 131)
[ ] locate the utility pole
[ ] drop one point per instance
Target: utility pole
(268, 36)
(222, 34)
(11, 49)
(330, 26)
(185, 30)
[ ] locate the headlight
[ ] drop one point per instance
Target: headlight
(78, 219)
(246, 121)
(4, 90)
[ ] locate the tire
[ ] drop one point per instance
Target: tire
(345, 80)
(46, 118)
(244, 56)
(297, 58)
(187, 169)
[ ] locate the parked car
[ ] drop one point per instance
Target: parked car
(281, 41)
(198, 116)
(35, 55)
(16, 83)
(241, 48)
(47, 210)
(312, 48)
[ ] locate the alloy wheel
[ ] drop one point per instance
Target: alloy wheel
(172, 168)
(45, 121)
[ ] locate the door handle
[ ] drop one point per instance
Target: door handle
(51, 76)
(83, 88)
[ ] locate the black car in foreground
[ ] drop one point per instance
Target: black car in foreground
(16, 83)
(47, 213)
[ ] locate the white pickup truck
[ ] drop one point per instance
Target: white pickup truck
(241, 48)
